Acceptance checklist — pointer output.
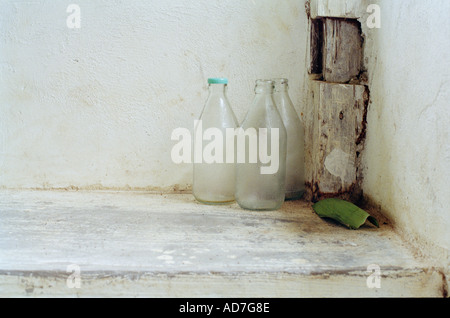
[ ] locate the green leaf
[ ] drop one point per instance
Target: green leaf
(344, 212)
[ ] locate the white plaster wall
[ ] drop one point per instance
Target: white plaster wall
(407, 154)
(95, 107)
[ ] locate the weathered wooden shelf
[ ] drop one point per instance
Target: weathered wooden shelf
(133, 244)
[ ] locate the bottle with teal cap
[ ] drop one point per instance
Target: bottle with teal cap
(214, 171)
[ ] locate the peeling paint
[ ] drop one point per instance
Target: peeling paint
(133, 244)
(341, 164)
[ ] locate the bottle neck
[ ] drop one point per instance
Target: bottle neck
(217, 89)
(281, 85)
(264, 87)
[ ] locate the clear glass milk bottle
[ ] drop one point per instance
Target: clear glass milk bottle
(261, 153)
(214, 175)
(295, 158)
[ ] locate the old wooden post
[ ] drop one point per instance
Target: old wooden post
(335, 130)
(335, 139)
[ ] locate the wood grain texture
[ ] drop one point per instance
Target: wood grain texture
(141, 244)
(335, 136)
(316, 47)
(342, 50)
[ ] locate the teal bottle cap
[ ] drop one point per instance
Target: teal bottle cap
(217, 80)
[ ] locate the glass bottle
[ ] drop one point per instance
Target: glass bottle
(261, 162)
(295, 157)
(214, 175)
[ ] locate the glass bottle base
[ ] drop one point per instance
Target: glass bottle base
(212, 202)
(260, 205)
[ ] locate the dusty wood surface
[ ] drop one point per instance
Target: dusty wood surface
(141, 244)
(336, 50)
(342, 50)
(335, 137)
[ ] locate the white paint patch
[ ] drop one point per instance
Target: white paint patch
(338, 8)
(341, 164)
(300, 261)
(200, 250)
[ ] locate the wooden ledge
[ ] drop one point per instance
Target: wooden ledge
(138, 244)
